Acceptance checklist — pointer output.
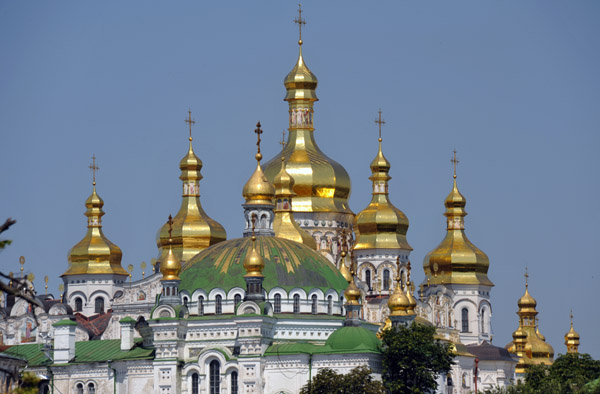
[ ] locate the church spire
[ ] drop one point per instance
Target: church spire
(193, 229)
(572, 338)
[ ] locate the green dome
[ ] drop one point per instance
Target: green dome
(288, 264)
(354, 339)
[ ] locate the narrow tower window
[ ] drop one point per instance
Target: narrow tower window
(386, 279)
(78, 304)
(483, 328)
(329, 305)
(237, 299)
(218, 306)
(277, 306)
(200, 306)
(465, 320)
(195, 381)
(313, 308)
(296, 303)
(234, 382)
(99, 305)
(368, 278)
(214, 377)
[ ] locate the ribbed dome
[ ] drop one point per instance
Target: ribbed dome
(353, 339)
(95, 254)
(456, 259)
(253, 262)
(193, 229)
(381, 225)
(288, 264)
(301, 83)
(527, 301)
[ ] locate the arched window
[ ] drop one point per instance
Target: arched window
(214, 377)
(296, 303)
(483, 330)
(195, 381)
(78, 304)
(99, 305)
(465, 320)
(368, 278)
(386, 279)
(200, 306)
(277, 306)
(91, 388)
(234, 382)
(185, 301)
(237, 299)
(329, 304)
(313, 307)
(79, 388)
(218, 306)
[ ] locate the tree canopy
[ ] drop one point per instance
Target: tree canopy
(413, 358)
(359, 380)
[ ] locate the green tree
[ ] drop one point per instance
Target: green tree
(359, 380)
(412, 358)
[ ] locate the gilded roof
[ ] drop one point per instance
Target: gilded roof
(95, 254)
(288, 264)
(258, 189)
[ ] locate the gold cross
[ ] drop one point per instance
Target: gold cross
(282, 143)
(454, 161)
(190, 121)
(571, 315)
(380, 122)
(170, 225)
(258, 132)
(526, 277)
(94, 168)
(300, 22)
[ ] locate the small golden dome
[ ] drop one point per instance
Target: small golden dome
(527, 301)
(170, 267)
(352, 293)
(344, 269)
(381, 225)
(193, 229)
(398, 302)
(95, 254)
(258, 190)
(301, 83)
(456, 260)
(572, 339)
(254, 262)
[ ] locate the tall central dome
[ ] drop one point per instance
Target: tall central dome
(322, 185)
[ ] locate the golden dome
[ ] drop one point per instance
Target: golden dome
(254, 262)
(456, 260)
(381, 225)
(170, 267)
(344, 268)
(193, 229)
(321, 184)
(409, 291)
(95, 254)
(572, 339)
(398, 302)
(284, 224)
(352, 293)
(258, 190)
(527, 303)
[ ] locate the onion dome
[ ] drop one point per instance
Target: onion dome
(398, 302)
(572, 339)
(258, 190)
(287, 264)
(351, 339)
(284, 224)
(193, 229)
(409, 291)
(352, 293)
(344, 268)
(95, 254)
(381, 225)
(170, 266)
(527, 303)
(322, 184)
(254, 262)
(456, 260)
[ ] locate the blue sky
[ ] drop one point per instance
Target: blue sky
(513, 86)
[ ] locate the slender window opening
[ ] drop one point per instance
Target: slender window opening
(465, 320)
(195, 381)
(78, 304)
(368, 278)
(386, 279)
(91, 388)
(200, 306)
(329, 305)
(237, 299)
(483, 328)
(296, 303)
(185, 301)
(99, 305)
(277, 306)
(214, 376)
(313, 308)
(79, 388)
(234, 382)
(218, 305)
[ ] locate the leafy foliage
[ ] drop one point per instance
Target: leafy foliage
(28, 384)
(359, 380)
(570, 374)
(412, 358)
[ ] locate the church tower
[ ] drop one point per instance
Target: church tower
(322, 186)
(95, 272)
(193, 230)
(456, 288)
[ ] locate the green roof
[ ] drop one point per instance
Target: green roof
(65, 322)
(85, 352)
(127, 319)
(288, 264)
(352, 339)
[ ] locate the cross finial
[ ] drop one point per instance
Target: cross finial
(571, 316)
(454, 161)
(94, 168)
(190, 121)
(526, 278)
(253, 218)
(380, 122)
(258, 132)
(398, 268)
(282, 142)
(170, 227)
(300, 22)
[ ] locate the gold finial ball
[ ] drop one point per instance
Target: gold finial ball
(190, 138)
(258, 156)
(343, 254)
(379, 139)
(299, 42)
